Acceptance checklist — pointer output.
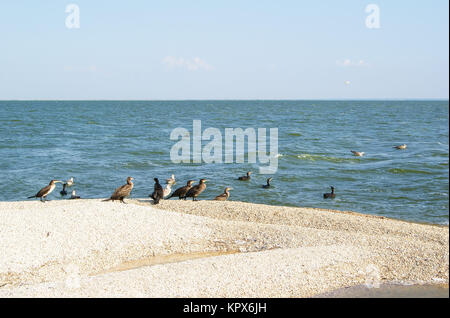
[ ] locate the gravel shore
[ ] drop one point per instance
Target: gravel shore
(89, 248)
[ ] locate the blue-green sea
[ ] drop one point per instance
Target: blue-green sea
(100, 143)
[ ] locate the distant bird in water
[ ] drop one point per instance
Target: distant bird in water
(401, 147)
(268, 185)
(122, 192)
(331, 195)
(181, 192)
(66, 184)
(195, 191)
(357, 153)
(246, 177)
(74, 196)
(171, 180)
(158, 192)
(44, 192)
(225, 195)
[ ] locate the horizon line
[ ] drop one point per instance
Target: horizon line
(229, 99)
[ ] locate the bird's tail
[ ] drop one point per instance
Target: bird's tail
(106, 200)
(32, 197)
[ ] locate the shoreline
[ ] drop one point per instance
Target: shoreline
(89, 248)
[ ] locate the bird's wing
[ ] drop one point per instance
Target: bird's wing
(43, 191)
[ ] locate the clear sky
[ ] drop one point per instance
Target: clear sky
(224, 49)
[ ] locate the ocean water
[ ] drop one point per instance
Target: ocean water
(100, 143)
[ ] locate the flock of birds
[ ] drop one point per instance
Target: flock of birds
(159, 193)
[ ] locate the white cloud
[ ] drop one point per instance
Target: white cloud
(348, 62)
(194, 64)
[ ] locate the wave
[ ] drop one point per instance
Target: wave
(408, 171)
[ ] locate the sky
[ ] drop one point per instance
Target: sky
(224, 49)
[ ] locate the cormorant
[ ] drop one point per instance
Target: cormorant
(122, 192)
(225, 195)
(195, 191)
(181, 192)
(158, 192)
(167, 189)
(245, 178)
(44, 192)
(268, 183)
(329, 195)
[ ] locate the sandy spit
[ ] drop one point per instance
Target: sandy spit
(89, 248)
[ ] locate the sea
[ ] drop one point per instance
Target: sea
(101, 143)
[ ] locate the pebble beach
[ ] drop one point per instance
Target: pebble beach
(89, 248)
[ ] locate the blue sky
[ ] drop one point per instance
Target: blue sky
(230, 49)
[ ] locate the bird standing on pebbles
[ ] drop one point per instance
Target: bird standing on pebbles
(195, 191)
(122, 192)
(225, 195)
(44, 192)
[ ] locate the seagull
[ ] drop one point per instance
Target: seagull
(358, 153)
(74, 196)
(171, 180)
(401, 147)
(66, 184)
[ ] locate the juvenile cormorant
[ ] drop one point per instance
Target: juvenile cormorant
(74, 196)
(195, 191)
(122, 192)
(158, 192)
(225, 195)
(401, 147)
(181, 192)
(44, 192)
(245, 178)
(357, 153)
(329, 195)
(66, 184)
(268, 183)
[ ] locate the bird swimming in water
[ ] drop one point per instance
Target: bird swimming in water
(331, 195)
(401, 147)
(225, 195)
(74, 196)
(44, 192)
(66, 184)
(158, 192)
(195, 191)
(268, 185)
(246, 177)
(181, 192)
(357, 153)
(171, 180)
(122, 192)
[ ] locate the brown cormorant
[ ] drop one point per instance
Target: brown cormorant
(195, 191)
(44, 192)
(181, 192)
(158, 192)
(122, 192)
(268, 183)
(245, 178)
(329, 195)
(225, 195)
